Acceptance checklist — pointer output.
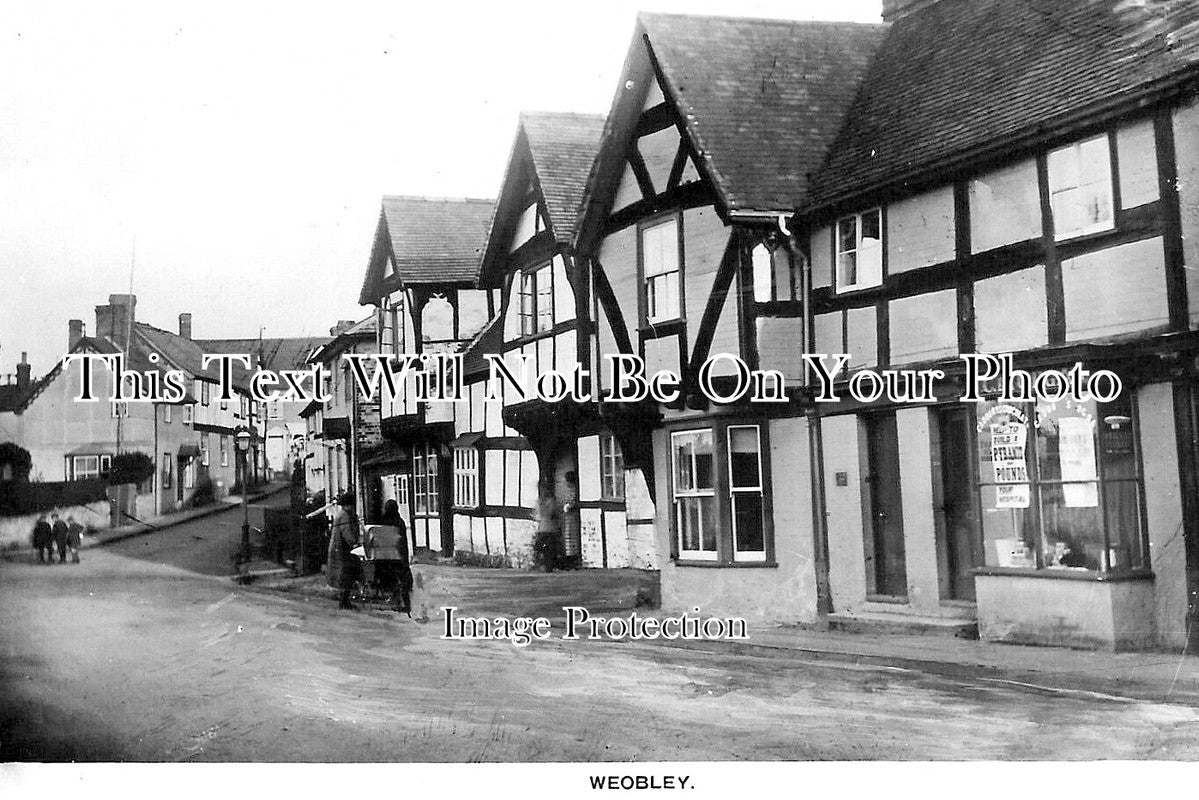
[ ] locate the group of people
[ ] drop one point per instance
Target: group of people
(383, 565)
(65, 535)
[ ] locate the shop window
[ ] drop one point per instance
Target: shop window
(1060, 486)
(466, 477)
(537, 301)
(611, 468)
(860, 251)
(774, 274)
(1080, 188)
(661, 270)
(424, 478)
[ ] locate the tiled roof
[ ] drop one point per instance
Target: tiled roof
(11, 396)
(433, 240)
(761, 99)
(962, 76)
(278, 353)
(563, 148)
(488, 340)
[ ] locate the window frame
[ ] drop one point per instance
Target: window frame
(759, 491)
(838, 273)
(611, 468)
(1109, 178)
(188, 414)
(426, 500)
(534, 285)
(772, 250)
(466, 477)
(677, 495)
(167, 470)
(647, 295)
(166, 412)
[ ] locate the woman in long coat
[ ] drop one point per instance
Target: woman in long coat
(342, 570)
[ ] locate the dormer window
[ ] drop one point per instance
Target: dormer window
(660, 265)
(860, 251)
(1080, 188)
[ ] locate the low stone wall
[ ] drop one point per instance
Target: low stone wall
(17, 532)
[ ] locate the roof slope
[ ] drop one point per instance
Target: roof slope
(761, 99)
(964, 75)
(563, 148)
(278, 353)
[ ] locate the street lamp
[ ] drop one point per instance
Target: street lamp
(243, 438)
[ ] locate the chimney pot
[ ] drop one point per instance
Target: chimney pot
(23, 371)
(185, 325)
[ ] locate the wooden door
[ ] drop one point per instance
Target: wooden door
(886, 566)
(959, 540)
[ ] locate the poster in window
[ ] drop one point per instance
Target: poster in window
(1008, 440)
(1076, 449)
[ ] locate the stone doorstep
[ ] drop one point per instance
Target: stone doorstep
(882, 623)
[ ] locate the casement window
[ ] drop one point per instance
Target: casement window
(424, 478)
(1060, 486)
(166, 413)
(695, 513)
(466, 477)
(204, 449)
(774, 273)
(860, 251)
(224, 450)
(168, 464)
(1080, 188)
(187, 414)
(537, 301)
(660, 268)
(611, 468)
(204, 393)
(80, 468)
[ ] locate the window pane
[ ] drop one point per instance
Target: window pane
(783, 279)
(762, 274)
(744, 470)
(872, 228)
(697, 523)
(847, 234)
(1122, 504)
(660, 248)
(1073, 536)
(703, 461)
(747, 517)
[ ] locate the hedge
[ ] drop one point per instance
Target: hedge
(29, 498)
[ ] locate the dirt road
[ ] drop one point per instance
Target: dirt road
(144, 652)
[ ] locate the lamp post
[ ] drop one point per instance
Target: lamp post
(243, 446)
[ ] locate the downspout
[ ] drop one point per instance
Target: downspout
(824, 604)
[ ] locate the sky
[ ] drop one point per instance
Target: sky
(228, 159)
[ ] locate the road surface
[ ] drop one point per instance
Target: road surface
(147, 652)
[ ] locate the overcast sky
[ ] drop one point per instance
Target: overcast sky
(244, 147)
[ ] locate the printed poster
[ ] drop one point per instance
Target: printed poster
(1076, 450)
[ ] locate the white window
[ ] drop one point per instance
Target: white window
(694, 493)
(187, 414)
(660, 266)
(774, 274)
(860, 251)
(189, 474)
(224, 450)
(1080, 188)
(84, 467)
(745, 489)
(204, 393)
(537, 301)
(611, 468)
(118, 409)
(424, 475)
(204, 449)
(166, 413)
(466, 477)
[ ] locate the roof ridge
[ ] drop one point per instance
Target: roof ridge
(533, 112)
(437, 199)
(763, 20)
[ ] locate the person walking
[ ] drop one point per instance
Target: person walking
(342, 570)
(74, 538)
(43, 538)
(60, 532)
(402, 600)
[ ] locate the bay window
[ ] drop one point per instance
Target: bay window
(659, 253)
(1080, 188)
(1060, 486)
(860, 251)
(719, 485)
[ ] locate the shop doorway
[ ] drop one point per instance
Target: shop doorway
(886, 565)
(959, 535)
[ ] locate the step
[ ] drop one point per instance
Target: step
(909, 624)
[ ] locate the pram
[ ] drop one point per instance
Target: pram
(385, 570)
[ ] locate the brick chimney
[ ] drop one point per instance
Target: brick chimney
(75, 332)
(897, 9)
(185, 325)
(23, 371)
(114, 320)
(341, 327)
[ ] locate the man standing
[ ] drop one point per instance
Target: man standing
(60, 532)
(43, 536)
(342, 570)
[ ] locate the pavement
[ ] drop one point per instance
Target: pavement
(150, 651)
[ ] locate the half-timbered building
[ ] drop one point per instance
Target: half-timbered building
(1014, 178)
(715, 126)
(422, 278)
